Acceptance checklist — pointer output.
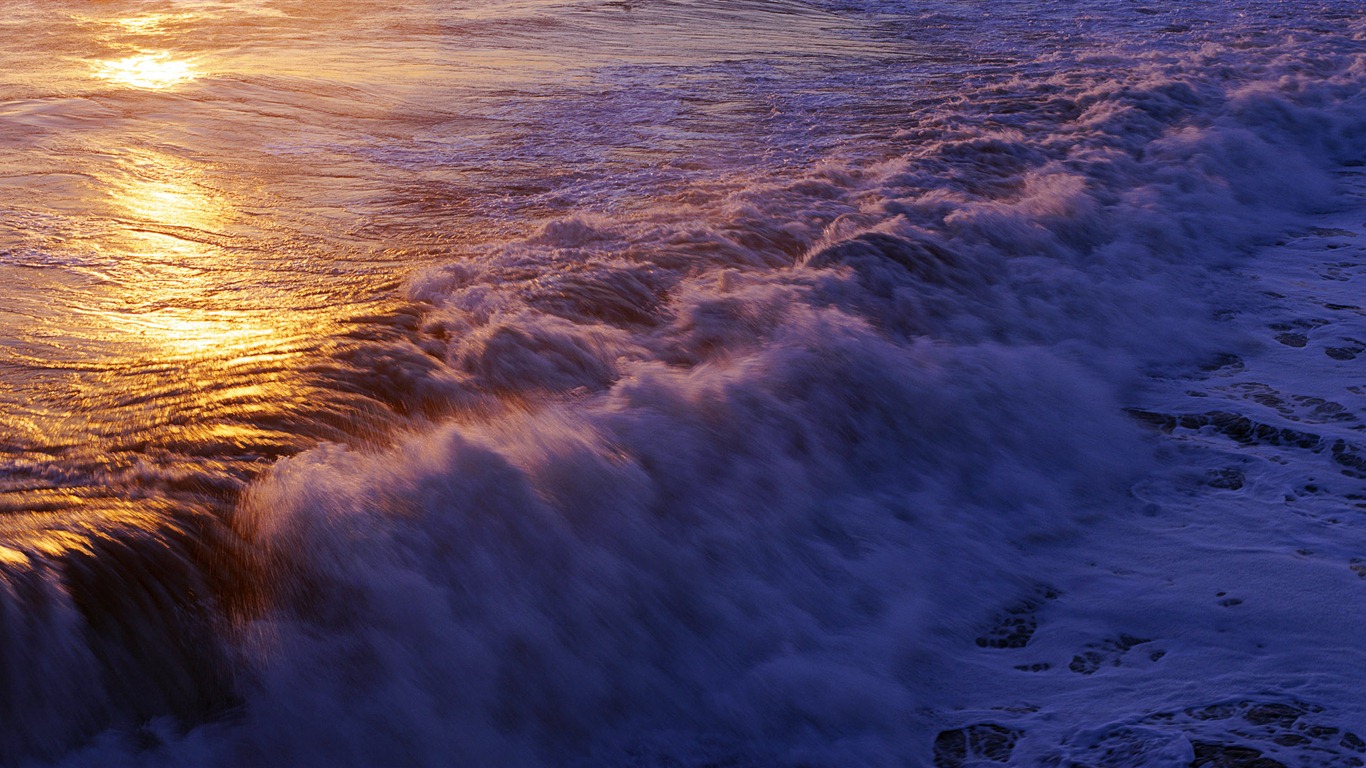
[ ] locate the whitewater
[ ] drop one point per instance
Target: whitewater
(667, 383)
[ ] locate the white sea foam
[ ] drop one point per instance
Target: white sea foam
(748, 480)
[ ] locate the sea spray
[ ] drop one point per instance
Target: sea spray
(715, 487)
(759, 406)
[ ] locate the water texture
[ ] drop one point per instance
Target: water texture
(679, 384)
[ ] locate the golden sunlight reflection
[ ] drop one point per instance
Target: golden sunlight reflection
(167, 200)
(169, 225)
(149, 71)
(170, 214)
(153, 23)
(196, 333)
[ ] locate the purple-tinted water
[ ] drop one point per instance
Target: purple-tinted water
(678, 383)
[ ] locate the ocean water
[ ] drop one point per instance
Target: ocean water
(669, 383)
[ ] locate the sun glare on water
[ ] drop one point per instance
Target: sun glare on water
(151, 71)
(152, 23)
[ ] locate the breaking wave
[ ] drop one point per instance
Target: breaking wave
(728, 480)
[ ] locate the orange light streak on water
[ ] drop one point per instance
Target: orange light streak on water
(151, 71)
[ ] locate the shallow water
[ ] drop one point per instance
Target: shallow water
(660, 383)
